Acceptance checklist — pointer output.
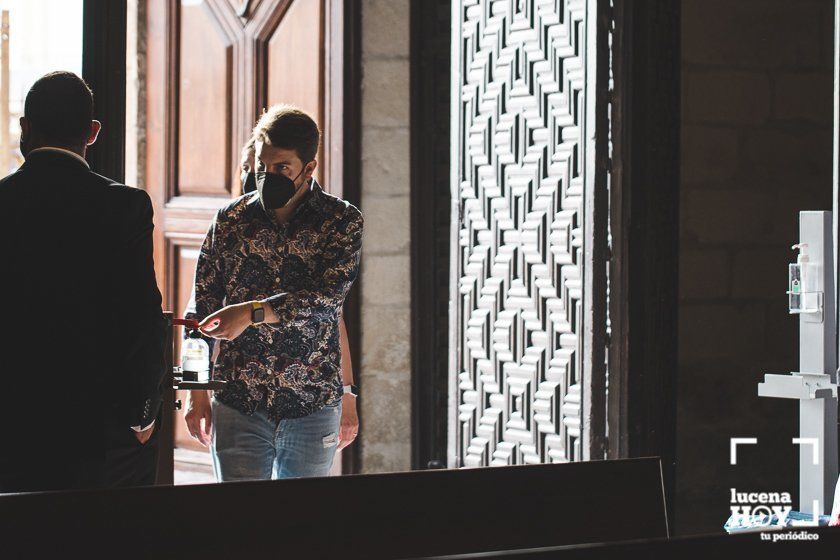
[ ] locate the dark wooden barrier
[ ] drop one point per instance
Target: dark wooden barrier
(743, 546)
(398, 515)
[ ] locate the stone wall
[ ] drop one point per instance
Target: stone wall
(385, 275)
(756, 149)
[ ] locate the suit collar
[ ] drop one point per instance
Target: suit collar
(55, 156)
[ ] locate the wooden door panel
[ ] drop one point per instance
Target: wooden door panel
(204, 109)
(295, 68)
(294, 59)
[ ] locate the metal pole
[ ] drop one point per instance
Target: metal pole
(818, 354)
(166, 438)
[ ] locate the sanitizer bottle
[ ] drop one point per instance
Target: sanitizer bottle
(195, 358)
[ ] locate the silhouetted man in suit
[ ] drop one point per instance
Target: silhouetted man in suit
(81, 327)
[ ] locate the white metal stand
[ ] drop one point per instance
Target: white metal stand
(812, 297)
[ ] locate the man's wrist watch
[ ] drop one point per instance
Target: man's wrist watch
(257, 312)
(351, 390)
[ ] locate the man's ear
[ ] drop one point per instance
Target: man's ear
(95, 127)
(310, 168)
(24, 128)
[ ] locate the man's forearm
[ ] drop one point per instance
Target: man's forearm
(346, 361)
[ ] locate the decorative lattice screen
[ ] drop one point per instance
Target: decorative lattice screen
(523, 132)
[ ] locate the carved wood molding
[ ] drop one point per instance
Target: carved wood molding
(244, 10)
(233, 38)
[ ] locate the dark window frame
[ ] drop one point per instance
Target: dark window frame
(645, 234)
(103, 68)
(430, 43)
(350, 34)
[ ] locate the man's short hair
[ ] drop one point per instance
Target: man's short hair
(289, 128)
(249, 145)
(59, 108)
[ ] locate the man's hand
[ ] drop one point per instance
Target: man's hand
(349, 422)
(227, 323)
(198, 409)
(144, 436)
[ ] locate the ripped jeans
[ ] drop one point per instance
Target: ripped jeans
(258, 448)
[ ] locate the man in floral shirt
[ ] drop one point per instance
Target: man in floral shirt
(270, 283)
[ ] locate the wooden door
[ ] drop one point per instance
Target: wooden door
(213, 66)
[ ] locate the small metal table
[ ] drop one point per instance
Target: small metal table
(173, 382)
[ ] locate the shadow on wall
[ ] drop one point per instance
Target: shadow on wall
(756, 149)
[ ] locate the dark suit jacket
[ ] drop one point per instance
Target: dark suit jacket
(81, 327)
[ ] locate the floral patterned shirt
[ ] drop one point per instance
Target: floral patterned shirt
(303, 269)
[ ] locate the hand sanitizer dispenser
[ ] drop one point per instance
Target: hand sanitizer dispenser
(811, 295)
(795, 283)
(805, 290)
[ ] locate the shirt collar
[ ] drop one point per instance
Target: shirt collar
(62, 151)
(316, 196)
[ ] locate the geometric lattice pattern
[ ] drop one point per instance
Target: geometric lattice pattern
(521, 168)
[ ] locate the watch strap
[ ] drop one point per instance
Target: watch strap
(351, 390)
(257, 312)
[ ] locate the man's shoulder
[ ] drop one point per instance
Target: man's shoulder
(338, 208)
(11, 178)
(236, 208)
(86, 179)
(119, 193)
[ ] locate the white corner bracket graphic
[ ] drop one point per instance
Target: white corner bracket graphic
(733, 447)
(815, 452)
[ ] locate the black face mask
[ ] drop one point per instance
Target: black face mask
(249, 182)
(275, 190)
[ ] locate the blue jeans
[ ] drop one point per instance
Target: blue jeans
(258, 448)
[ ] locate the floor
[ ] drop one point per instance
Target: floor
(193, 467)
